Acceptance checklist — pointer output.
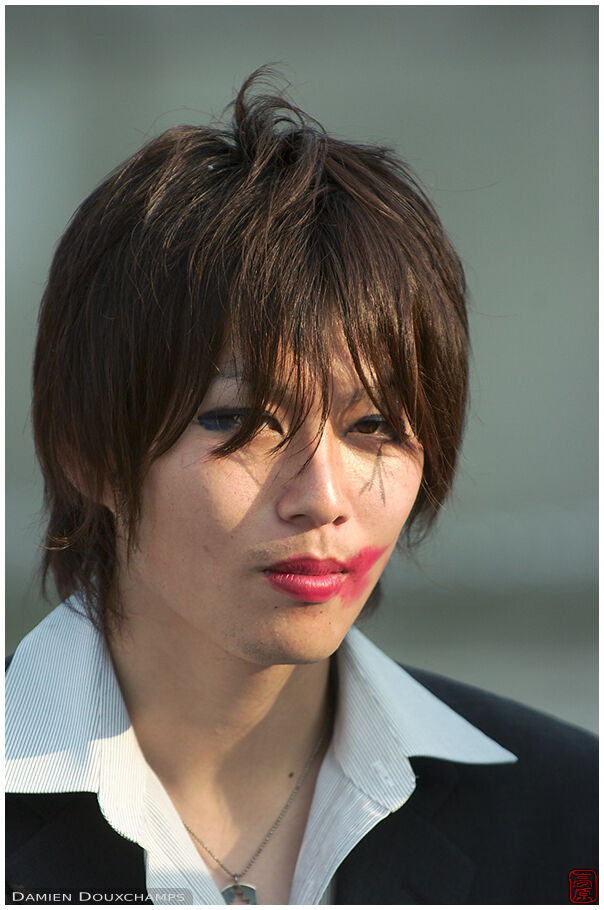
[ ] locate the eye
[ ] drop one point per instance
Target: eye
(221, 421)
(229, 420)
(377, 426)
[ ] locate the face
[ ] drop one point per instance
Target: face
(270, 556)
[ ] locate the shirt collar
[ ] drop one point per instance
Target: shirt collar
(384, 714)
(67, 727)
(52, 706)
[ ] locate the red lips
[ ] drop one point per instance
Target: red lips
(308, 565)
(313, 580)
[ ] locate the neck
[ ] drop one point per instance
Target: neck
(204, 718)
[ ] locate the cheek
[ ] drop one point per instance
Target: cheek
(228, 492)
(387, 496)
(205, 498)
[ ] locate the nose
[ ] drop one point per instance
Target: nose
(313, 492)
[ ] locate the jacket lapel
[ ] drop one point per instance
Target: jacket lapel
(407, 859)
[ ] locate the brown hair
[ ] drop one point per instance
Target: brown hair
(263, 234)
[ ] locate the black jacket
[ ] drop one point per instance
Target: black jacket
(469, 834)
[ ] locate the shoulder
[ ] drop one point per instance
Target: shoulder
(507, 833)
(523, 825)
(487, 709)
(548, 795)
(54, 842)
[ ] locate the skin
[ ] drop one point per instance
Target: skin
(225, 678)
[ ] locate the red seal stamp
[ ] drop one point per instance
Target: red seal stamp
(583, 886)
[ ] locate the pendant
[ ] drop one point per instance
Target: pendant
(239, 894)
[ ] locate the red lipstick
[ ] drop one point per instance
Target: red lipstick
(312, 580)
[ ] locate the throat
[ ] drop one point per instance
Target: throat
(267, 874)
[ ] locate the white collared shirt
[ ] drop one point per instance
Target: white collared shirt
(67, 729)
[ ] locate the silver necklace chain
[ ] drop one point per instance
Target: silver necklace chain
(276, 823)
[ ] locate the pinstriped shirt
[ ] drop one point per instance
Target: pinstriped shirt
(67, 729)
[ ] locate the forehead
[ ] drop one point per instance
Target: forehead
(343, 379)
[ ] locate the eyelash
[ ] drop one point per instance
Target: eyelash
(214, 422)
(388, 431)
(210, 420)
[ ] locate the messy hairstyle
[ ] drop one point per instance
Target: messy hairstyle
(263, 236)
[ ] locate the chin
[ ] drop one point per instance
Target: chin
(265, 656)
(281, 648)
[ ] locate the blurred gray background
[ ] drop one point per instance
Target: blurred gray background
(495, 109)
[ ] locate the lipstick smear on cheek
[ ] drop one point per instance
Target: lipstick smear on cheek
(356, 579)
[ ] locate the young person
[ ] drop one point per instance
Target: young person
(250, 382)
